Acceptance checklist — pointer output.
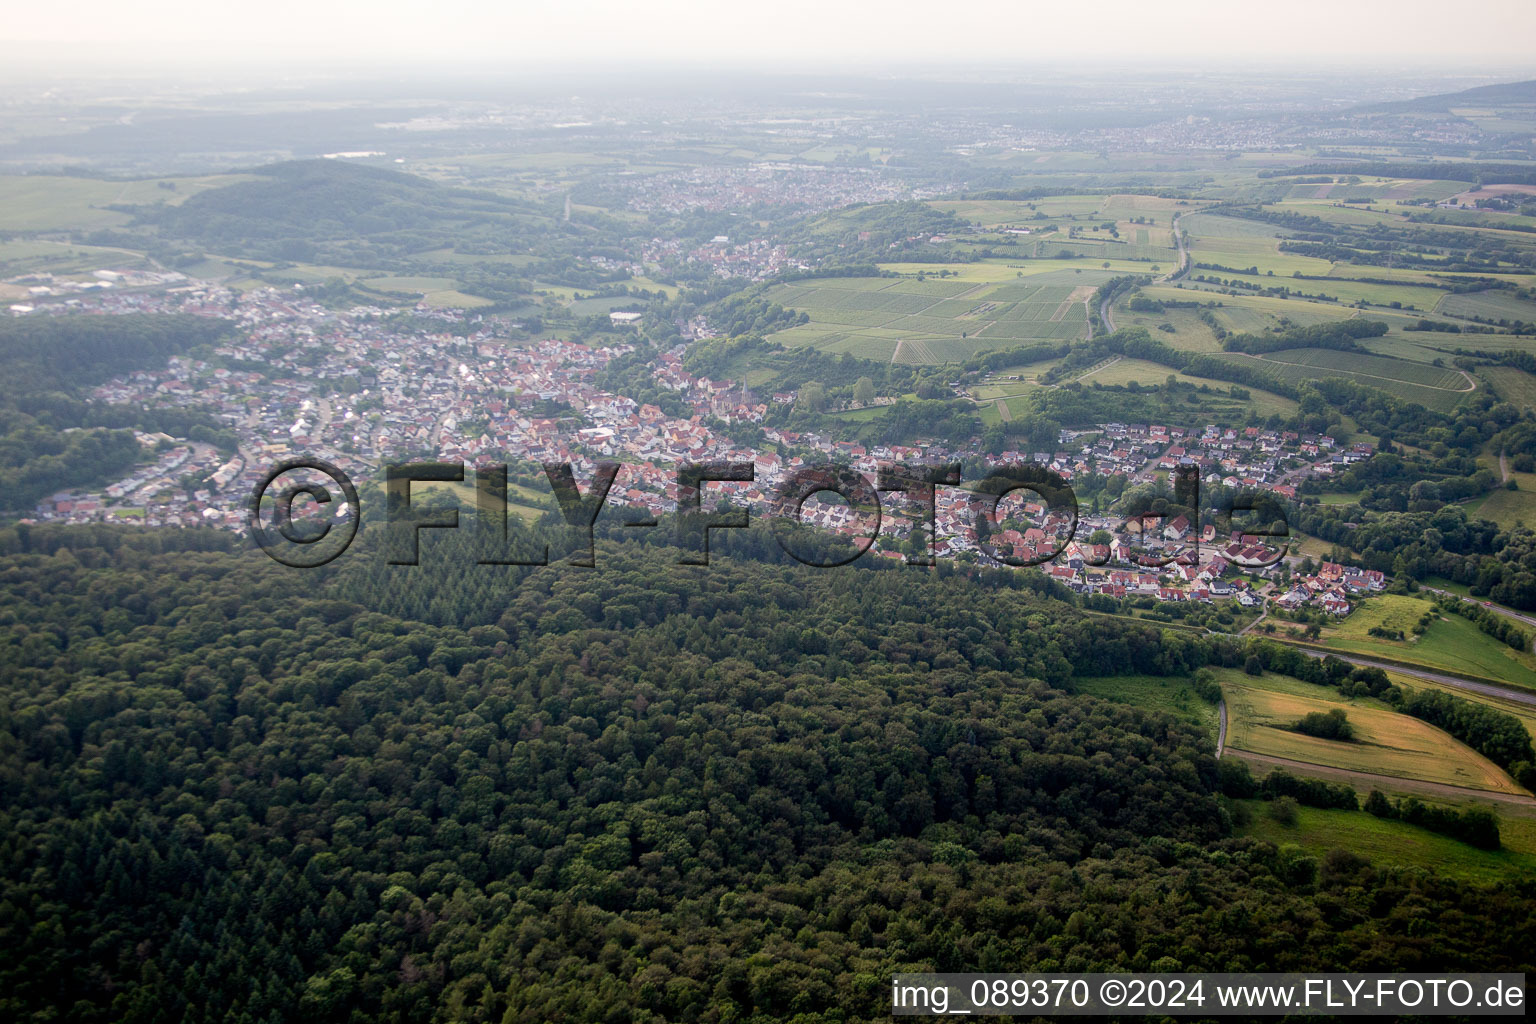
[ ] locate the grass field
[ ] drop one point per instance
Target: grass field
(1508, 508)
(1514, 386)
(1395, 376)
(937, 320)
(1170, 695)
(1490, 305)
(1261, 710)
(1391, 842)
(1451, 642)
(523, 502)
(51, 202)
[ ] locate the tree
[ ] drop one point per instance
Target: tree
(1253, 666)
(864, 391)
(813, 397)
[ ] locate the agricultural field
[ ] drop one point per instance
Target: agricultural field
(1261, 711)
(1451, 643)
(936, 320)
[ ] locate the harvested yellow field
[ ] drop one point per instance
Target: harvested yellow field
(1385, 743)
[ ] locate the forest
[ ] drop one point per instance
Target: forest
(744, 792)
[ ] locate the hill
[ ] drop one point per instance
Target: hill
(336, 212)
(1502, 94)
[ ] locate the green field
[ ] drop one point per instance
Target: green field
(52, 202)
(1451, 642)
(936, 320)
(1261, 711)
(1170, 695)
(1514, 386)
(1397, 377)
(1508, 507)
(1490, 305)
(1385, 842)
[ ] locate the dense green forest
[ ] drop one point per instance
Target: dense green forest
(749, 791)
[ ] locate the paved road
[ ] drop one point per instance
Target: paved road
(1440, 789)
(1109, 321)
(1178, 240)
(1487, 689)
(1508, 613)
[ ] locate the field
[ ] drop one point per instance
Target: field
(1432, 387)
(1525, 712)
(1261, 710)
(1508, 507)
(1381, 841)
(937, 320)
(50, 202)
(1514, 386)
(1170, 695)
(523, 502)
(1490, 305)
(1451, 643)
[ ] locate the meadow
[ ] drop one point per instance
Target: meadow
(937, 320)
(1394, 376)
(1451, 643)
(1170, 695)
(1512, 385)
(1495, 304)
(53, 202)
(1383, 841)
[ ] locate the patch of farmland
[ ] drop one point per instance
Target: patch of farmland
(1060, 330)
(1031, 311)
(1241, 320)
(1385, 743)
(954, 307)
(933, 325)
(1014, 293)
(863, 346)
(936, 289)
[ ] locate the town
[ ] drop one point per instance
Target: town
(356, 388)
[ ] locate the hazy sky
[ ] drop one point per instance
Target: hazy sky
(795, 32)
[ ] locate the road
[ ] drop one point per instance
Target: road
(1438, 789)
(1508, 613)
(1487, 689)
(1221, 727)
(1178, 240)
